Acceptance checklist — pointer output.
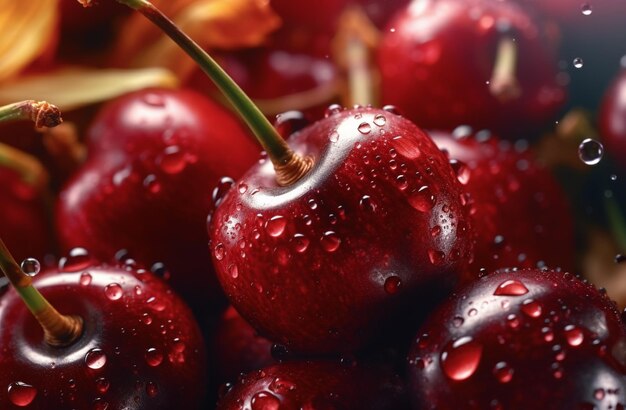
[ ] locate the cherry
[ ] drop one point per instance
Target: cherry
(517, 338)
(380, 12)
(364, 187)
(505, 183)
(317, 16)
(477, 62)
(612, 118)
(237, 348)
(130, 342)
(316, 385)
(154, 158)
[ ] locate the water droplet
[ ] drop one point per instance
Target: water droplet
(219, 251)
(367, 204)
(153, 357)
(265, 401)
(77, 259)
(100, 404)
(457, 321)
(113, 291)
(423, 199)
(234, 271)
(599, 394)
(222, 188)
(380, 120)
(154, 100)
(578, 62)
(461, 170)
(365, 128)
(472, 312)
(334, 136)
(30, 266)
(276, 226)
(574, 335)
(152, 389)
(21, 394)
(503, 372)
(282, 387)
(402, 182)
(435, 257)
(392, 284)
(300, 242)
(511, 288)
(332, 110)
(330, 241)
(95, 359)
(512, 321)
(391, 109)
(151, 184)
(242, 188)
(531, 308)
(586, 9)
(173, 160)
(155, 304)
(102, 385)
(460, 359)
(290, 122)
(590, 151)
(146, 319)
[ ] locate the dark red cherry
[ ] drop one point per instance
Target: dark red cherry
(613, 119)
(139, 347)
(519, 339)
(155, 158)
(316, 385)
(506, 185)
(320, 265)
(477, 62)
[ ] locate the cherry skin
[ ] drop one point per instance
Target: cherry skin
(140, 347)
(612, 118)
(506, 185)
(437, 61)
(517, 338)
(316, 385)
(154, 158)
(318, 266)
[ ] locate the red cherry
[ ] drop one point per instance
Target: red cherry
(319, 265)
(613, 119)
(506, 185)
(477, 62)
(316, 385)
(518, 340)
(317, 16)
(238, 348)
(139, 347)
(155, 156)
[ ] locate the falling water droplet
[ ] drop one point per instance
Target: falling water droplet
(460, 359)
(276, 226)
(95, 359)
(578, 62)
(113, 291)
(21, 394)
(30, 266)
(590, 151)
(153, 357)
(511, 288)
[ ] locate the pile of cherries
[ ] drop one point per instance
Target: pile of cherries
(417, 255)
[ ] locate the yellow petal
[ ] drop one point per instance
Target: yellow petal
(213, 24)
(27, 29)
(71, 88)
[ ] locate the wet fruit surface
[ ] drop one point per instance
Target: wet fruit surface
(320, 265)
(514, 339)
(140, 348)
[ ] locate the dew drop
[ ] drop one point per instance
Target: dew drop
(435, 257)
(380, 120)
(590, 151)
(391, 109)
(461, 171)
(21, 394)
(472, 312)
(265, 401)
(330, 241)
(76, 260)
(233, 270)
(113, 291)
(219, 251)
(586, 9)
(30, 266)
(503, 372)
(392, 284)
(460, 359)
(280, 386)
(367, 204)
(531, 308)
(151, 184)
(332, 110)
(334, 136)
(457, 321)
(578, 62)
(276, 226)
(100, 404)
(511, 288)
(365, 128)
(222, 188)
(290, 122)
(512, 321)
(153, 357)
(574, 335)
(95, 359)
(423, 199)
(402, 182)
(173, 160)
(102, 385)
(599, 394)
(300, 243)
(155, 304)
(154, 100)
(243, 187)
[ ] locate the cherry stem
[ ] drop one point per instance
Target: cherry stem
(59, 330)
(503, 83)
(42, 113)
(289, 166)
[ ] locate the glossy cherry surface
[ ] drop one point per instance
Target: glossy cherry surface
(613, 119)
(316, 385)
(437, 59)
(518, 340)
(320, 265)
(507, 185)
(155, 157)
(140, 347)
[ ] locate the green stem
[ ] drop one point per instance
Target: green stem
(616, 221)
(59, 330)
(289, 166)
(42, 113)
